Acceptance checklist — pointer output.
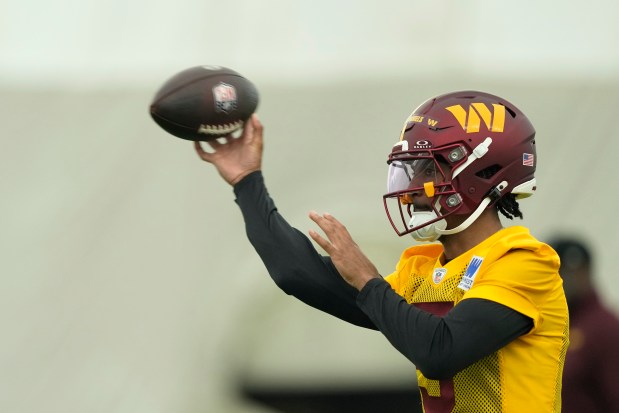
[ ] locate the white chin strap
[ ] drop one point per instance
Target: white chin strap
(467, 222)
(433, 231)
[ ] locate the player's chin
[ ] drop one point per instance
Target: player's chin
(421, 208)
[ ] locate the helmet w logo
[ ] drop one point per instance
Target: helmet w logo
(493, 119)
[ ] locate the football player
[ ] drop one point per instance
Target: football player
(479, 309)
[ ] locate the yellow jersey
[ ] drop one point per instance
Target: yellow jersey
(511, 268)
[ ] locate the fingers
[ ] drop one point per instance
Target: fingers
(215, 144)
(320, 221)
(326, 222)
(324, 244)
(257, 126)
(336, 233)
(205, 156)
(252, 130)
(248, 130)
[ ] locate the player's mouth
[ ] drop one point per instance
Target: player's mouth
(421, 208)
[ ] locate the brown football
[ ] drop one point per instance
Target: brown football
(204, 102)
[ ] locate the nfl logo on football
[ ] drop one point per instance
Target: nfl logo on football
(224, 96)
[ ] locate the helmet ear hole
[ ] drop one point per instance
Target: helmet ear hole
(489, 171)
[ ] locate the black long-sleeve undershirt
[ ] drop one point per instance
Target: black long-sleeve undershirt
(438, 346)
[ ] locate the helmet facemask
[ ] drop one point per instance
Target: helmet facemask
(420, 192)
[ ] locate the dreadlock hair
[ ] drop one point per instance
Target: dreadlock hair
(507, 204)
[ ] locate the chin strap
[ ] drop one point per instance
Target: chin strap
(494, 194)
(467, 222)
(433, 231)
(479, 151)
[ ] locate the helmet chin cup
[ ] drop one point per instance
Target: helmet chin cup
(429, 232)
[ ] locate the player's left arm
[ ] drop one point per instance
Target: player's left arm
(438, 346)
(441, 346)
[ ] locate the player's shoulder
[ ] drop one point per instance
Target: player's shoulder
(519, 240)
(422, 251)
(515, 250)
(419, 255)
(413, 260)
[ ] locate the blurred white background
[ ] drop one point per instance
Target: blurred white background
(127, 283)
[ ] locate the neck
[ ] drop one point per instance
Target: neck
(485, 226)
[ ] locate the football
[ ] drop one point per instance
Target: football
(204, 102)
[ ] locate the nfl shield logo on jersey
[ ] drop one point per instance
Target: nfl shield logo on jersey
(224, 96)
(438, 275)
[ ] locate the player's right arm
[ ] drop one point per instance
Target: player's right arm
(291, 259)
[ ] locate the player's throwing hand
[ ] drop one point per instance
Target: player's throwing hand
(235, 158)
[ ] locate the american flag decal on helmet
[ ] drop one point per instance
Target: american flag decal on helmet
(528, 159)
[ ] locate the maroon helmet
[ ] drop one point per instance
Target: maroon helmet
(465, 151)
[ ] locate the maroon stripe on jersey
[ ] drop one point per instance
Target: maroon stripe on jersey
(443, 404)
(447, 400)
(439, 308)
